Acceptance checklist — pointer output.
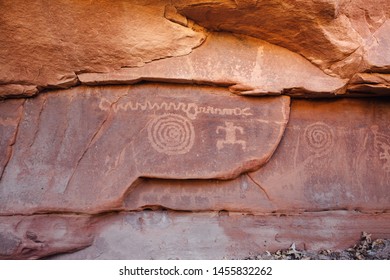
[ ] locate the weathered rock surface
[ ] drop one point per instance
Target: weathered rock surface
(254, 67)
(10, 116)
(82, 149)
(301, 26)
(173, 235)
(325, 161)
(33, 237)
(46, 45)
(344, 37)
(370, 83)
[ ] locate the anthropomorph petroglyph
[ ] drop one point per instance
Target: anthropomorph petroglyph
(230, 135)
(171, 134)
(382, 145)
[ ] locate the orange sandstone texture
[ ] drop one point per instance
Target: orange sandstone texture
(306, 47)
(339, 36)
(253, 67)
(46, 45)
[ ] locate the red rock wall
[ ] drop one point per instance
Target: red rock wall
(131, 130)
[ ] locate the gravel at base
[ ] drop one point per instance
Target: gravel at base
(366, 249)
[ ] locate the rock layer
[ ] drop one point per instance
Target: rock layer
(254, 67)
(45, 46)
(40, 52)
(223, 235)
(33, 237)
(343, 37)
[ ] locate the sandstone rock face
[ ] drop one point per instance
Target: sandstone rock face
(11, 113)
(42, 235)
(370, 83)
(111, 136)
(220, 235)
(162, 129)
(47, 45)
(331, 34)
(255, 67)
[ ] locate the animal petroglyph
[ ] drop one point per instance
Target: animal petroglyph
(230, 135)
(171, 134)
(319, 138)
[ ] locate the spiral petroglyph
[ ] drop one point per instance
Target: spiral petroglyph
(171, 134)
(319, 138)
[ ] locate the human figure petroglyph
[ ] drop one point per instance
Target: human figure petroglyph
(382, 146)
(230, 135)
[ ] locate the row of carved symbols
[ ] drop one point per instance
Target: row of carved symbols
(173, 134)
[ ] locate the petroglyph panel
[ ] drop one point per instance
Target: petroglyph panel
(84, 148)
(334, 155)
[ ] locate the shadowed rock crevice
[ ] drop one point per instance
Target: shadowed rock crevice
(12, 113)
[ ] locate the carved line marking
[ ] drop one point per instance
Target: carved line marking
(319, 138)
(171, 134)
(230, 135)
(190, 109)
(8, 122)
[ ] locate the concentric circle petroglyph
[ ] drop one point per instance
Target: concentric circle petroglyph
(319, 137)
(171, 134)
